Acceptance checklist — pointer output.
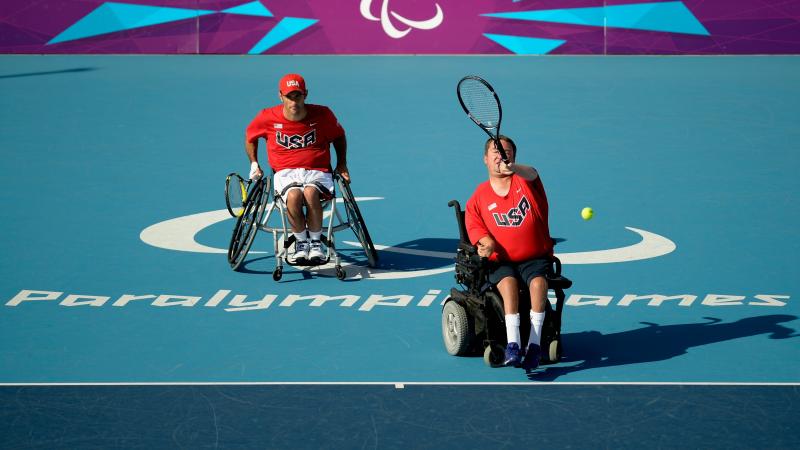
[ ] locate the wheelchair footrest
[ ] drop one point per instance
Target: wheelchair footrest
(308, 263)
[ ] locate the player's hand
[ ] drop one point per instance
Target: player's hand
(341, 169)
(505, 168)
(255, 171)
(486, 247)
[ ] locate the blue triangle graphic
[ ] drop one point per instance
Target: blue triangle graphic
(673, 17)
(249, 9)
(286, 28)
(526, 45)
(111, 17)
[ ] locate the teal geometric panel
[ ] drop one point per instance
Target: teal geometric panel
(111, 17)
(525, 45)
(249, 9)
(672, 17)
(286, 28)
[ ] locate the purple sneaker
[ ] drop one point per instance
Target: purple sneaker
(532, 357)
(512, 355)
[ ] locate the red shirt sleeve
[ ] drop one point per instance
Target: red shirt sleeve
(334, 128)
(258, 127)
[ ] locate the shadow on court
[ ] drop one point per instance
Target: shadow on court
(49, 72)
(655, 342)
(404, 257)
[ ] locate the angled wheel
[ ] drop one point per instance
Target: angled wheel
(356, 222)
(247, 224)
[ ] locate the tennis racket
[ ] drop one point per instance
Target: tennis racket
(235, 193)
(482, 105)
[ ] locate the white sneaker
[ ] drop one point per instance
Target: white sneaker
(316, 253)
(300, 250)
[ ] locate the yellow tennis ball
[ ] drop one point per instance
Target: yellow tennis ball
(587, 213)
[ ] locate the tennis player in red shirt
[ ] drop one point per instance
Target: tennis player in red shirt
(506, 219)
(298, 137)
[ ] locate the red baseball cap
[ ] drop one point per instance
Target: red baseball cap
(292, 82)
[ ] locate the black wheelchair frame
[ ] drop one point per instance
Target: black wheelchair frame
(256, 214)
(473, 318)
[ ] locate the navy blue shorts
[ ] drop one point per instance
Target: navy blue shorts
(525, 271)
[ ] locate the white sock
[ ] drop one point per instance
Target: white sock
(301, 236)
(537, 319)
(315, 235)
(512, 328)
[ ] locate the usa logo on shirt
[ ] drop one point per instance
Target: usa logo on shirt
(514, 216)
(295, 141)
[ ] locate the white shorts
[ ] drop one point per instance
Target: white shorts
(288, 179)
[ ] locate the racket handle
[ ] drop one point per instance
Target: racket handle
(501, 150)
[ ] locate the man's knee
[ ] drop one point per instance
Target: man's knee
(539, 284)
(507, 282)
(294, 199)
(311, 195)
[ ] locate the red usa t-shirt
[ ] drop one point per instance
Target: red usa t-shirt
(516, 221)
(304, 144)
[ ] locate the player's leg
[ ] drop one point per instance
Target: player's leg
(297, 219)
(316, 187)
(288, 183)
(534, 272)
(314, 222)
(504, 278)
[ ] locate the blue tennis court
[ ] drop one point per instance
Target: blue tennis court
(116, 290)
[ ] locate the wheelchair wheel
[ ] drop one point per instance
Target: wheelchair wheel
(357, 223)
(247, 224)
(554, 350)
(455, 329)
(493, 355)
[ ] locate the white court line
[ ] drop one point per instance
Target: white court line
(416, 383)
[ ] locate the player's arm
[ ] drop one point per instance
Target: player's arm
(526, 172)
(340, 145)
(477, 231)
(251, 148)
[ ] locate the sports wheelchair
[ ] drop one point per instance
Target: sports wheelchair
(256, 211)
(473, 319)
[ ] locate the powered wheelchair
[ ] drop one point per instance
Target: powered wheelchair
(256, 210)
(473, 319)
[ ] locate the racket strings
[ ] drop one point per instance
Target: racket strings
(480, 102)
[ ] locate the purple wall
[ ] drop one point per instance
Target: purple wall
(360, 27)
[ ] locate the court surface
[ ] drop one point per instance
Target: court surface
(114, 228)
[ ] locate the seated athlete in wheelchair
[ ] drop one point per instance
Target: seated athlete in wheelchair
(298, 138)
(257, 210)
(508, 270)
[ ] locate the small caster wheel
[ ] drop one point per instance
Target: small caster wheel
(493, 355)
(554, 351)
(277, 273)
(340, 273)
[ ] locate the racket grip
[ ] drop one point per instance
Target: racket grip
(501, 150)
(503, 154)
